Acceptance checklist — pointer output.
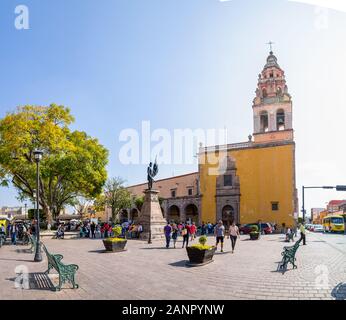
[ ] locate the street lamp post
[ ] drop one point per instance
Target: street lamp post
(25, 212)
(38, 156)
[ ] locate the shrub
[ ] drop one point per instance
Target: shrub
(117, 231)
(254, 229)
(203, 240)
(201, 247)
(115, 240)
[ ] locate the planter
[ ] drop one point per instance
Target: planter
(254, 236)
(115, 246)
(200, 257)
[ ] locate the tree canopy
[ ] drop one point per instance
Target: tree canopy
(73, 163)
(115, 196)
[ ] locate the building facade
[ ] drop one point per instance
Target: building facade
(181, 199)
(243, 182)
(334, 205)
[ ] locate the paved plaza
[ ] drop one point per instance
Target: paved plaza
(153, 272)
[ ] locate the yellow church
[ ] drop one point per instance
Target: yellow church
(242, 182)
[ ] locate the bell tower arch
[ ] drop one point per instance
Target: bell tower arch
(272, 106)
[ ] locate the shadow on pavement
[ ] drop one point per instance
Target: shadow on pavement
(19, 260)
(181, 264)
(35, 281)
(23, 251)
(105, 251)
(159, 248)
(339, 292)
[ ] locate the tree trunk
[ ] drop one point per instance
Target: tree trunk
(48, 214)
(114, 215)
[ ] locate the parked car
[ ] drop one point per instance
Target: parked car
(245, 228)
(308, 226)
(266, 228)
(317, 228)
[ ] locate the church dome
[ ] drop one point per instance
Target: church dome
(272, 61)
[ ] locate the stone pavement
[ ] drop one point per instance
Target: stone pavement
(153, 272)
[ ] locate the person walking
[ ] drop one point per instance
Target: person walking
(139, 230)
(185, 232)
(209, 228)
(233, 235)
(203, 229)
(219, 232)
(105, 228)
(302, 233)
(168, 231)
(175, 232)
(13, 233)
(2, 229)
(193, 230)
(92, 230)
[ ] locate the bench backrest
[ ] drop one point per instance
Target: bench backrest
(51, 258)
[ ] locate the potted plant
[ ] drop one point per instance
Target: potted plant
(200, 254)
(254, 234)
(115, 244)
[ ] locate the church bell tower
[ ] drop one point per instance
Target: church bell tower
(272, 107)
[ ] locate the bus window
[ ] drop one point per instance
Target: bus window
(337, 220)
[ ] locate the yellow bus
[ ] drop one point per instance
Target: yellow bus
(334, 223)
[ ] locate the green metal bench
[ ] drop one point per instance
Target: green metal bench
(289, 256)
(66, 272)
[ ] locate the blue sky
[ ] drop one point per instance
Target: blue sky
(180, 64)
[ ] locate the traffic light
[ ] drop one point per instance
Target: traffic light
(340, 188)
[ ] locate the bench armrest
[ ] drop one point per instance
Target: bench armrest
(59, 257)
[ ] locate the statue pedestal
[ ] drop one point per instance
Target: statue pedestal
(151, 217)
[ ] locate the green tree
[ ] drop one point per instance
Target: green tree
(300, 220)
(73, 163)
(115, 196)
(139, 201)
(32, 214)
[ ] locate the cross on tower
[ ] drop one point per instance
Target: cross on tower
(271, 46)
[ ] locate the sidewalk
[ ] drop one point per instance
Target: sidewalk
(153, 272)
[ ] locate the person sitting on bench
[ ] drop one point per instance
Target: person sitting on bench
(61, 232)
(289, 235)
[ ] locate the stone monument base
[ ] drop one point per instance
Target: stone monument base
(151, 217)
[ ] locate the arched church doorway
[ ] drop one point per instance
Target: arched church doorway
(173, 214)
(191, 213)
(123, 216)
(227, 216)
(134, 215)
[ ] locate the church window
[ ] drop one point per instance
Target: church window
(278, 91)
(173, 193)
(190, 191)
(280, 120)
(227, 181)
(272, 75)
(264, 93)
(275, 206)
(264, 122)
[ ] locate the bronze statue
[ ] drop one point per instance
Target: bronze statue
(153, 170)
